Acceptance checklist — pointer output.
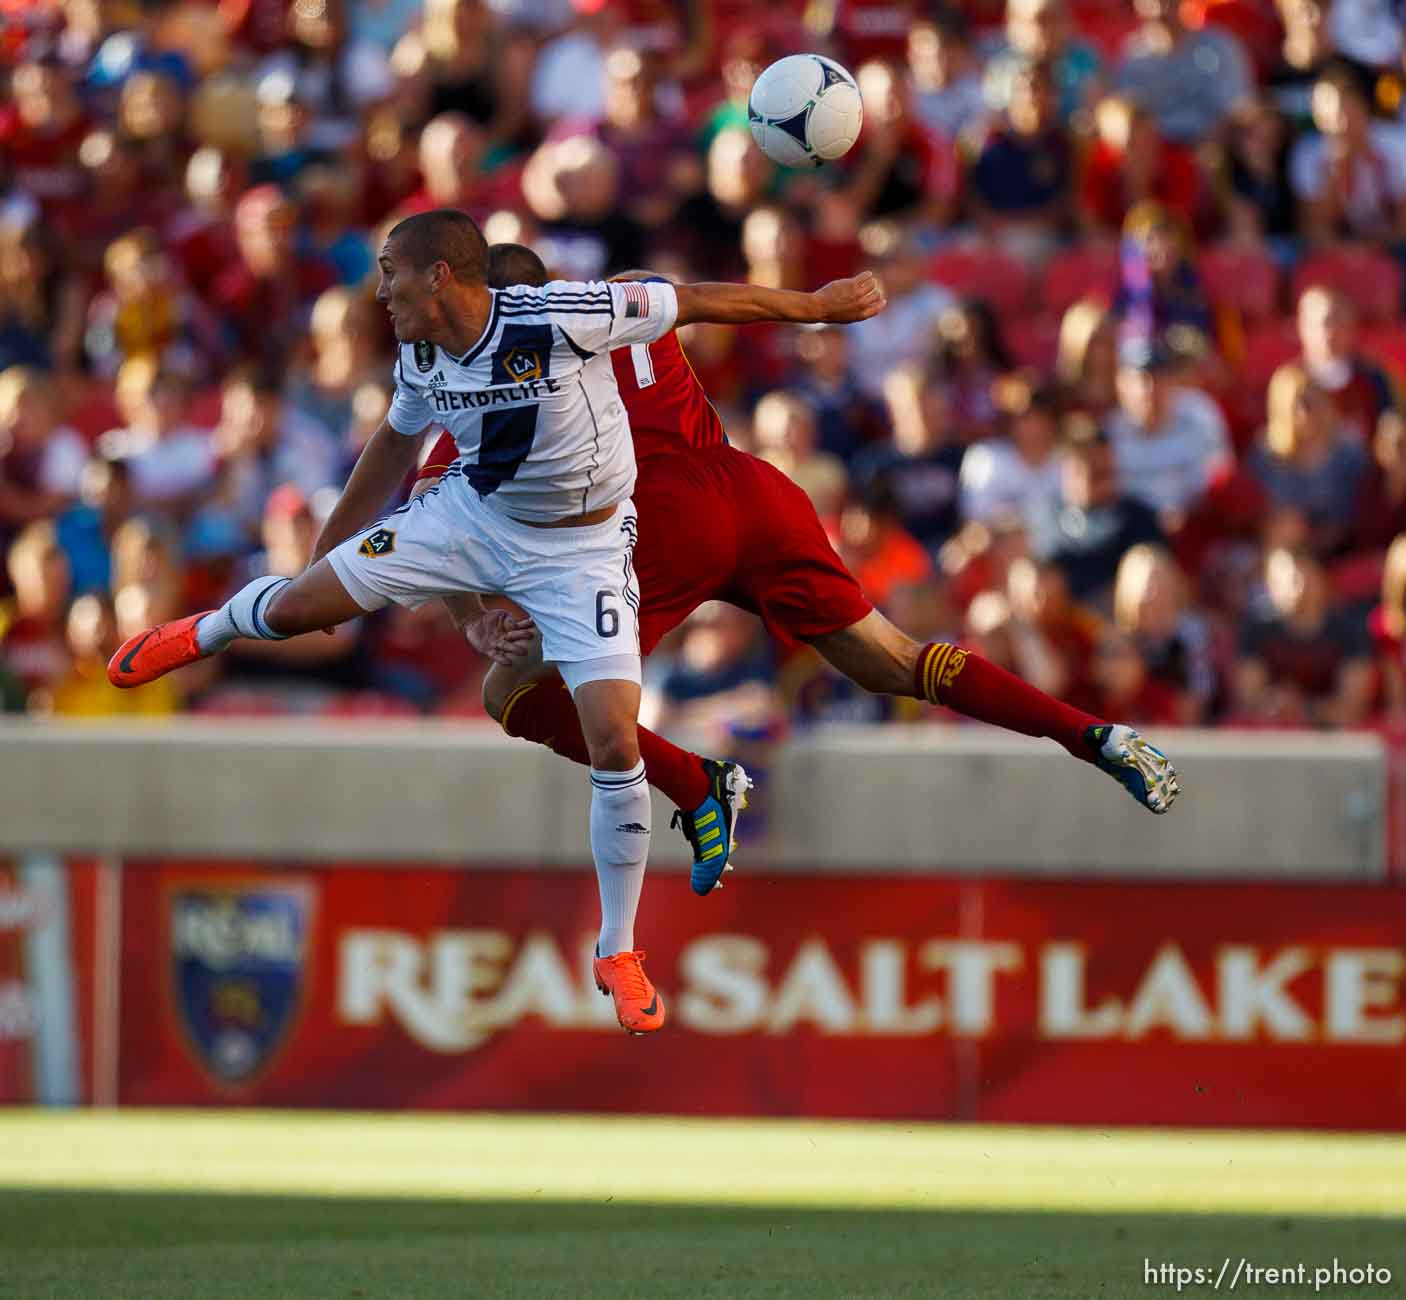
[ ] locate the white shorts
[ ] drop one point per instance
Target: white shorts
(578, 584)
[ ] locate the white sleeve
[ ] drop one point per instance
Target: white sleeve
(979, 483)
(599, 316)
(1394, 147)
(1216, 440)
(1305, 167)
(62, 466)
(410, 414)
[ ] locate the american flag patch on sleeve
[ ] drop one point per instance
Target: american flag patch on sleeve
(636, 298)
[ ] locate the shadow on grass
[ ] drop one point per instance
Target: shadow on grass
(112, 1245)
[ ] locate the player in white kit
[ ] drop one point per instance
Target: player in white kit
(537, 507)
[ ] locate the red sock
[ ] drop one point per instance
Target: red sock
(963, 680)
(543, 711)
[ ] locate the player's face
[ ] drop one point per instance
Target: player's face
(406, 293)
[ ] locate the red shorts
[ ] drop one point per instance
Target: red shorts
(718, 524)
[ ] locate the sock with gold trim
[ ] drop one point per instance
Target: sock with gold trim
(962, 680)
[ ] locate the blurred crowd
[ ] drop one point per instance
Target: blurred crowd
(1130, 424)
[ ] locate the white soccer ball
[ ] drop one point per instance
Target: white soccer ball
(805, 110)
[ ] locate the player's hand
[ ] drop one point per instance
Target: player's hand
(504, 638)
(843, 301)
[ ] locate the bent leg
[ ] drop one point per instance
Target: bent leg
(274, 608)
(315, 599)
(535, 705)
(882, 658)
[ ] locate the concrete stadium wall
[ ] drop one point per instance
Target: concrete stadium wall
(1299, 806)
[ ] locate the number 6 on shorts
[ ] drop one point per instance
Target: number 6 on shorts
(607, 616)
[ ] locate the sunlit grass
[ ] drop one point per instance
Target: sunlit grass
(802, 1163)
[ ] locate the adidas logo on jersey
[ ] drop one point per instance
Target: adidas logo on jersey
(437, 380)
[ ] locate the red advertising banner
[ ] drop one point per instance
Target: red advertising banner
(865, 996)
(47, 927)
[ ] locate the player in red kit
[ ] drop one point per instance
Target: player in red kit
(718, 524)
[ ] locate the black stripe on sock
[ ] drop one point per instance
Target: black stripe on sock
(254, 618)
(625, 784)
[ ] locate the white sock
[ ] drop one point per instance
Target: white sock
(242, 615)
(620, 812)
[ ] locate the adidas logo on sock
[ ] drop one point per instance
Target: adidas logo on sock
(634, 828)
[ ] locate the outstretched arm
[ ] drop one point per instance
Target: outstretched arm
(382, 466)
(837, 303)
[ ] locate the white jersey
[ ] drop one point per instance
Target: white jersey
(532, 406)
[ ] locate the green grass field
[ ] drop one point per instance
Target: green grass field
(255, 1206)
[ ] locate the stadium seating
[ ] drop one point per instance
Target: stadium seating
(1243, 279)
(1087, 272)
(1370, 278)
(985, 273)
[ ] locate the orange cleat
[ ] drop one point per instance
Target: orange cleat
(156, 652)
(638, 1005)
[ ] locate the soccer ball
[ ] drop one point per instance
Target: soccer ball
(805, 110)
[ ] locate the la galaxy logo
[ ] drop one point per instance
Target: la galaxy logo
(237, 955)
(381, 542)
(424, 357)
(522, 365)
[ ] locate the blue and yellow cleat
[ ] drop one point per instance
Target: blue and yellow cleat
(1143, 770)
(710, 828)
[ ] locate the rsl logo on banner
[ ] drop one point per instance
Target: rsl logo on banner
(238, 964)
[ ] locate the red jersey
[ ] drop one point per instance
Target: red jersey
(667, 406)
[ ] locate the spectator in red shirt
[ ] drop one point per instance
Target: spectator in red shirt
(1381, 510)
(40, 133)
(1361, 390)
(1301, 662)
(1176, 642)
(151, 118)
(1130, 161)
(201, 234)
(116, 198)
(1054, 639)
(264, 297)
(41, 459)
(1125, 689)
